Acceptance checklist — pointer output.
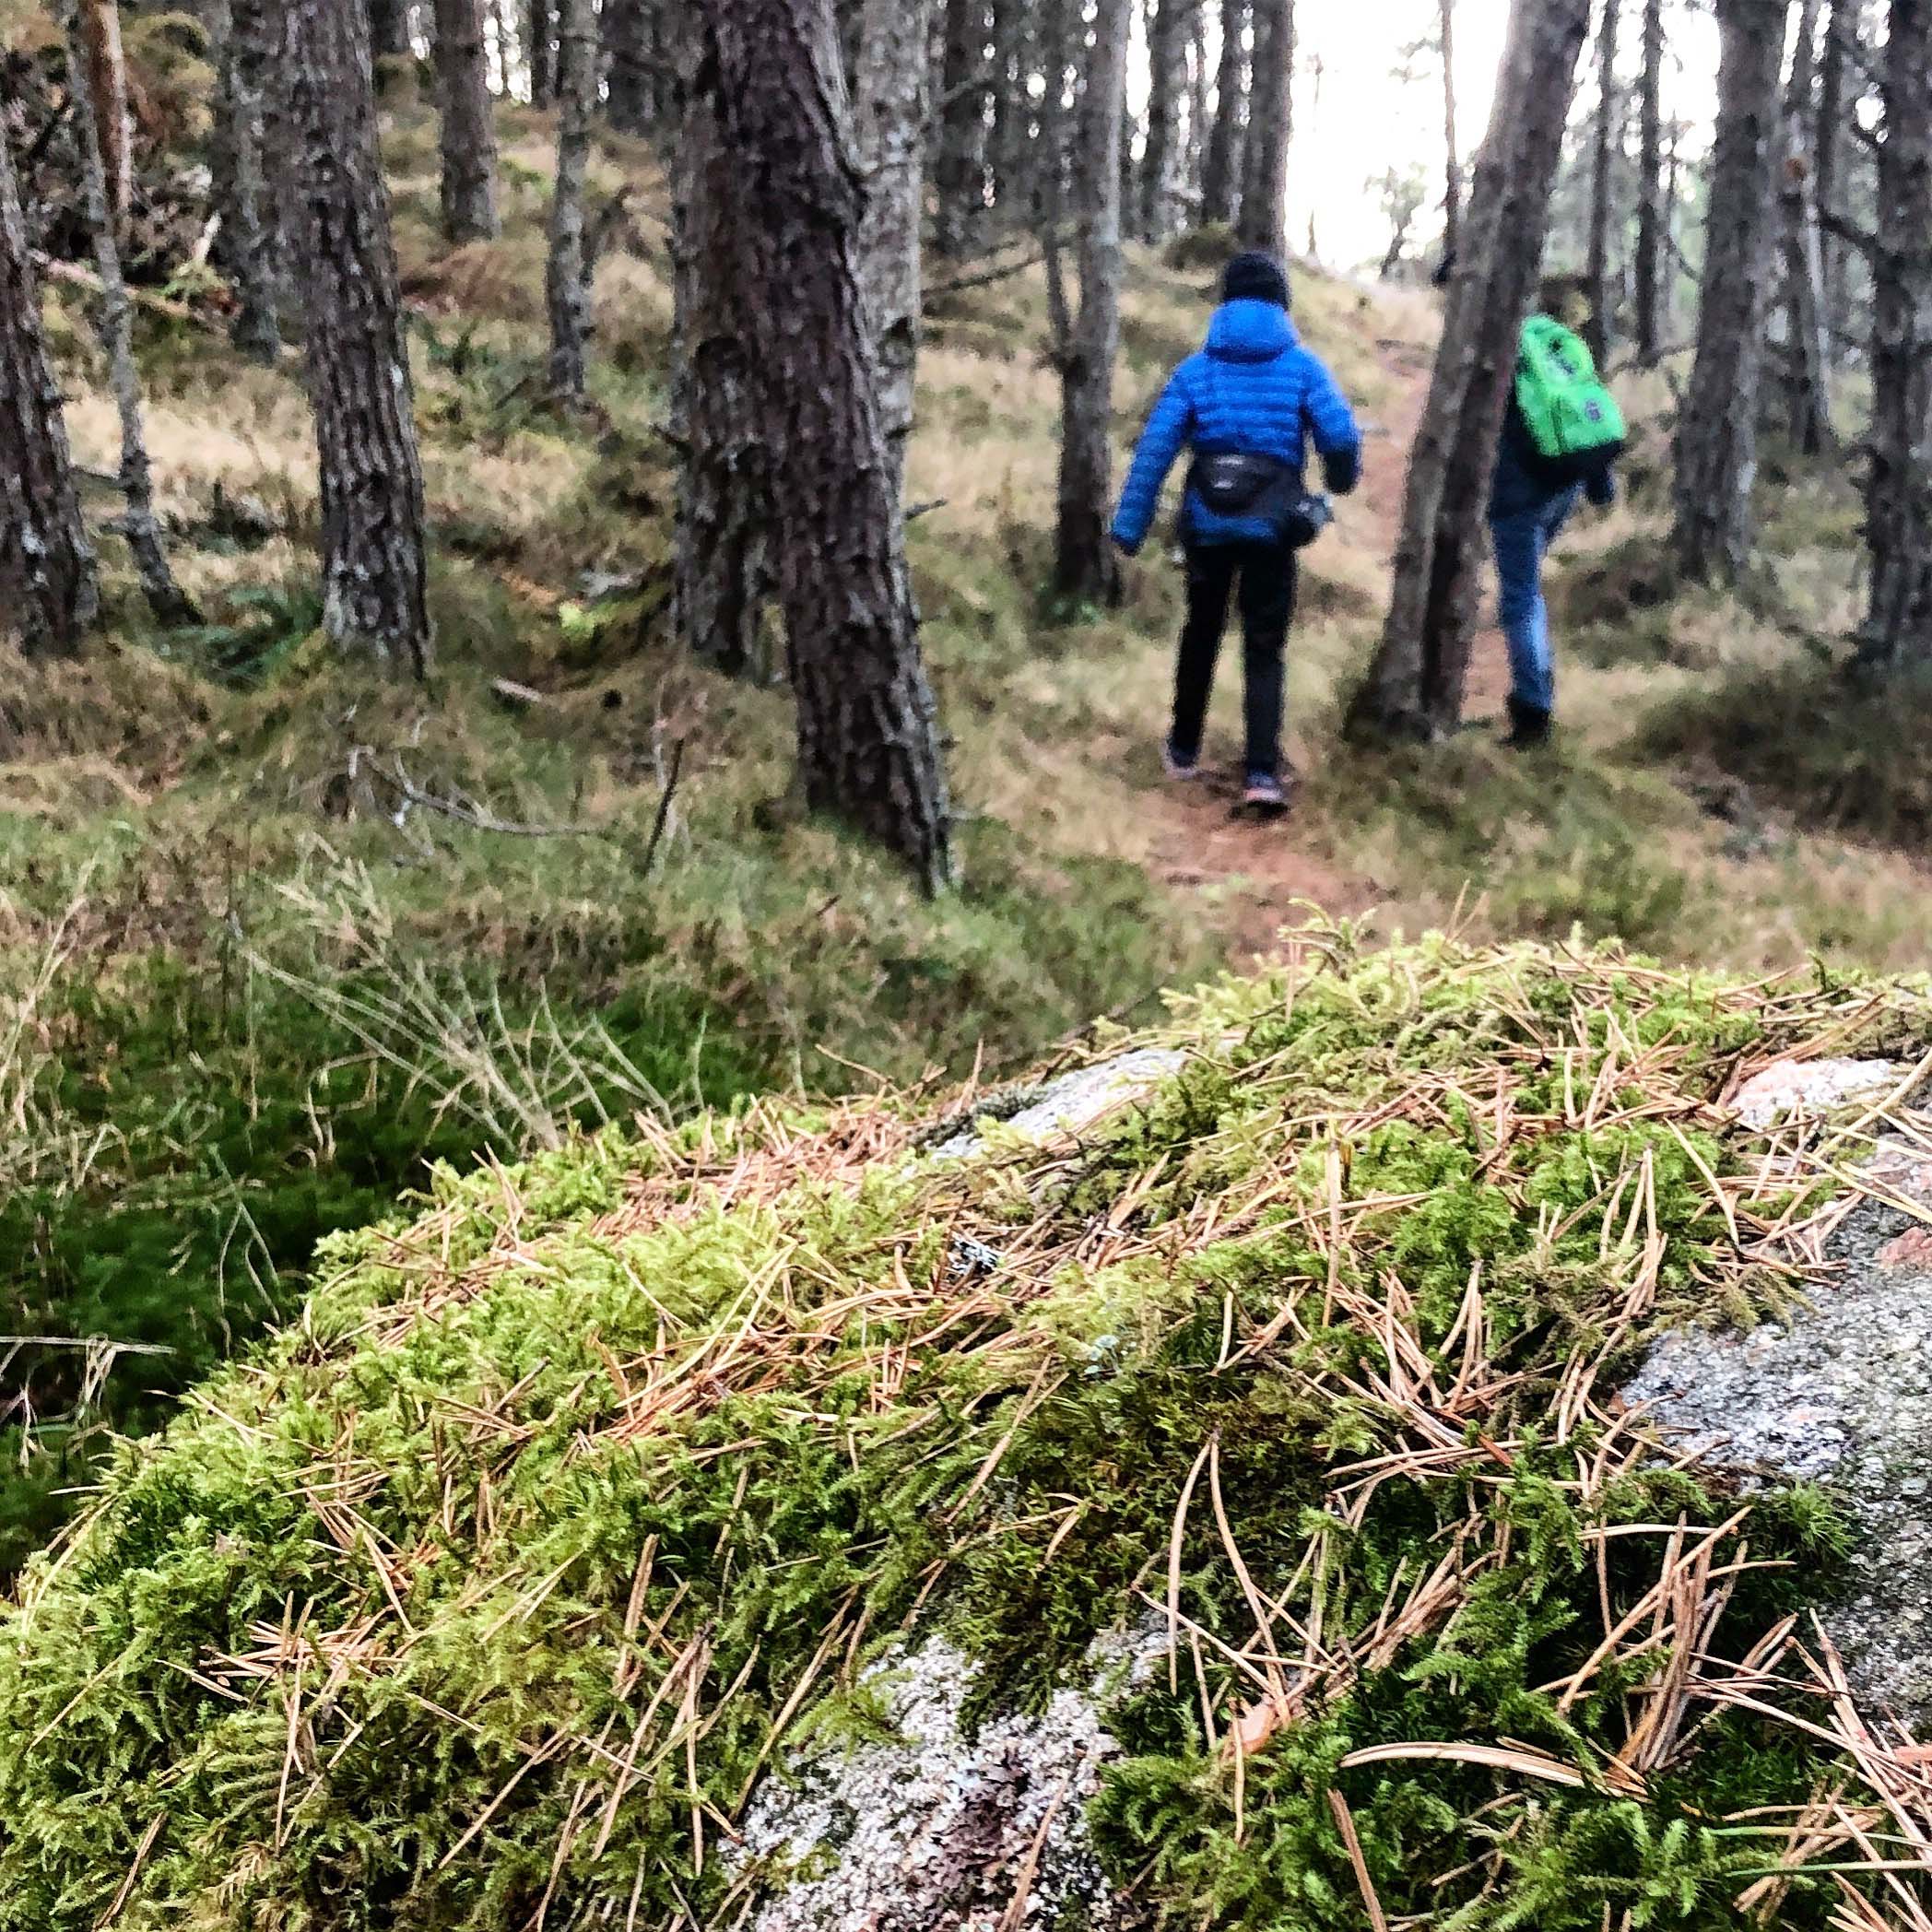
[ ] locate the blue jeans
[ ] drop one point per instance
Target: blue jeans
(1522, 540)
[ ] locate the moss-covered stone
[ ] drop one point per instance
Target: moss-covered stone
(487, 1592)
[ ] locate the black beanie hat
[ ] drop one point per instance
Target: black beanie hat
(1256, 277)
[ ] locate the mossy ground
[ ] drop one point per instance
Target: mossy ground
(484, 1593)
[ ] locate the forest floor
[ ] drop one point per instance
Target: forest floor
(274, 939)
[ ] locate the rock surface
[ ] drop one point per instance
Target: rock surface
(1073, 1102)
(939, 1828)
(1842, 1396)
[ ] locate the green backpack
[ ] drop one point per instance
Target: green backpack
(1574, 424)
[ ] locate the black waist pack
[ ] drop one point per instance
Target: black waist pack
(1233, 483)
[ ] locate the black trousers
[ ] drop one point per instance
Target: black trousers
(1266, 575)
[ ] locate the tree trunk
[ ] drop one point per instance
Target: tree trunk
(1599, 271)
(1195, 147)
(250, 236)
(469, 129)
(1716, 451)
(540, 51)
(48, 598)
(888, 129)
(1156, 215)
(1453, 161)
(768, 72)
(721, 583)
(389, 29)
(1653, 266)
(1263, 221)
(1829, 144)
(95, 50)
(959, 168)
(629, 46)
(115, 323)
(1086, 571)
(1808, 378)
(567, 269)
(1005, 151)
(1226, 159)
(1415, 686)
(1897, 631)
(344, 260)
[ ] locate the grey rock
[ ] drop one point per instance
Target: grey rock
(1842, 1396)
(1075, 1101)
(938, 1828)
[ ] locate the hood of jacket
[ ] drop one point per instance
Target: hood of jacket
(1250, 331)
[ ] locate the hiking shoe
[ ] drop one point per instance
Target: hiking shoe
(1264, 794)
(1182, 771)
(1530, 728)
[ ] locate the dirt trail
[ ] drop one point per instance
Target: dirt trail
(1260, 869)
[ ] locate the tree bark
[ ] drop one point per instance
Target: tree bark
(48, 597)
(629, 50)
(1158, 212)
(468, 124)
(1415, 686)
(1086, 571)
(1898, 631)
(249, 238)
(95, 50)
(888, 129)
(540, 51)
(721, 583)
(1453, 168)
(1194, 148)
(372, 567)
(1809, 377)
(1226, 159)
(1599, 270)
(568, 267)
(868, 745)
(1829, 142)
(389, 29)
(959, 168)
(115, 324)
(1262, 220)
(1653, 264)
(1716, 451)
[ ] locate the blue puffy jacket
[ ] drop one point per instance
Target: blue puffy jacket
(1255, 390)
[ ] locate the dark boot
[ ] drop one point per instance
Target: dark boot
(1528, 726)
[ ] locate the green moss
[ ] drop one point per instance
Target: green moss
(556, 1503)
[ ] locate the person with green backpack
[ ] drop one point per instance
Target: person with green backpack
(1562, 438)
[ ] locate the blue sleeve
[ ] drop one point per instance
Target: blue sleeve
(1167, 434)
(1325, 411)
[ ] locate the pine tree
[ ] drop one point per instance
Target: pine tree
(1226, 158)
(1653, 267)
(629, 28)
(568, 266)
(1716, 448)
(138, 523)
(469, 127)
(1603, 158)
(1808, 384)
(1087, 342)
(890, 89)
(250, 235)
(1157, 203)
(1415, 686)
(1262, 220)
(959, 160)
(344, 261)
(767, 73)
(1897, 629)
(48, 597)
(1453, 163)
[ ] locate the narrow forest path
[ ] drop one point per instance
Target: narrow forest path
(1259, 869)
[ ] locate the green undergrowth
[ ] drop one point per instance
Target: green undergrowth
(484, 1593)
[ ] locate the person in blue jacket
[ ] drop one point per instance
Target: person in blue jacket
(1253, 390)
